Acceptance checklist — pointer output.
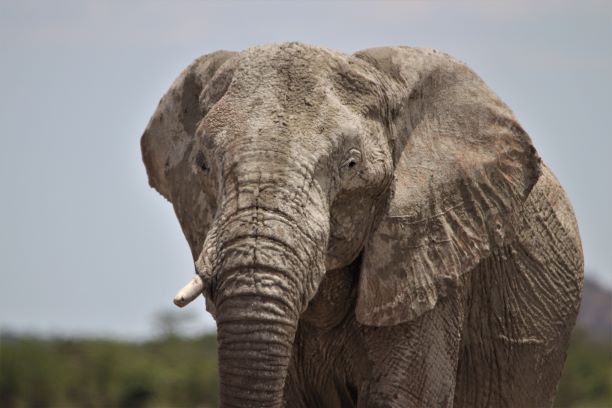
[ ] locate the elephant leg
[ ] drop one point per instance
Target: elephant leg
(523, 306)
(517, 332)
(294, 392)
(414, 364)
(320, 372)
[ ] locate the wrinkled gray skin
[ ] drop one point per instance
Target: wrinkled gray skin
(372, 230)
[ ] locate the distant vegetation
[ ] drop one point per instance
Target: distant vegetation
(173, 372)
(587, 375)
(182, 372)
(178, 371)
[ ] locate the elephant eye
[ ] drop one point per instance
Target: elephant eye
(201, 162)
(352, 160)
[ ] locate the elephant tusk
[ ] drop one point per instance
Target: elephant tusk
(189, 292)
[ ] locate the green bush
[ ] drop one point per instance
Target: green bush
(587, 374)
(174, 371)
(101, 373)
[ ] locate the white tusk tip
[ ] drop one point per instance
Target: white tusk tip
(180, 302)
(189, 292)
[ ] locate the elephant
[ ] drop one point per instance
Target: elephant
(370, 230)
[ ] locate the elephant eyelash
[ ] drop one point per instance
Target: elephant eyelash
(353, 160)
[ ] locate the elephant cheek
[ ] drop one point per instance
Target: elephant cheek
(210, 308)
(332, 262)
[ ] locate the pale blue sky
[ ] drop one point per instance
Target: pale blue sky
(88, 248)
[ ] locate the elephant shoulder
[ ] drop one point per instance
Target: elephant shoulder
(548, 230)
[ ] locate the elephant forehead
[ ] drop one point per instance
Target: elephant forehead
(289, 94)
(286, 71)
(297, 77)
(268, 117)
(312, 132)
(292, 62)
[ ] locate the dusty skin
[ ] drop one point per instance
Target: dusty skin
(370, 230)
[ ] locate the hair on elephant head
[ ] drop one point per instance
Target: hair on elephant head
(287, 161)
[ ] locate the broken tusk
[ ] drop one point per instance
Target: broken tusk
(189, 292)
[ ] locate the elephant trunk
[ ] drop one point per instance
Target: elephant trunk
(266, 267)
(255, 340)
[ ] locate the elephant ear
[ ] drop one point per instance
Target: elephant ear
(463, 168)
(168, 141)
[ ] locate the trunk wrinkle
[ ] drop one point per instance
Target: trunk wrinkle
(254, 353)
(274, 277)
(240, 242)
(281, 215)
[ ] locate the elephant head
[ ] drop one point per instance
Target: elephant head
(287, 161)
